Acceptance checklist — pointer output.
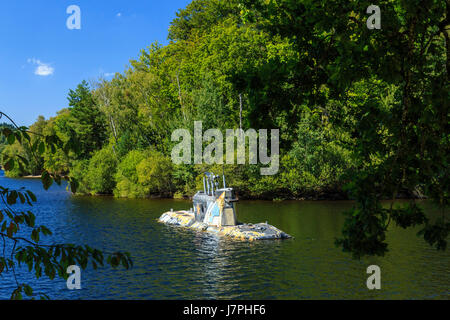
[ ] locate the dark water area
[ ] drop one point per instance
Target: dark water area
(175, 263)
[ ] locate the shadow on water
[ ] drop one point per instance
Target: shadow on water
(175, 263)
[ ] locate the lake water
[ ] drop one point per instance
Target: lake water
(174, 263)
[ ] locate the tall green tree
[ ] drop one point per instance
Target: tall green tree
(86, 119)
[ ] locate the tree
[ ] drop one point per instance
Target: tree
(86, 120)
(403, 144)
(100, 172)
(51, 260)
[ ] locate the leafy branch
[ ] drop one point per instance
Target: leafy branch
(51, 260)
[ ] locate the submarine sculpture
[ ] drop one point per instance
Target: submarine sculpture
(214, 211)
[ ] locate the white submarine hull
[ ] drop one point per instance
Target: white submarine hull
(240, 231)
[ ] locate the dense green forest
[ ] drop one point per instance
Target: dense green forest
(362, 113)
(216, 55)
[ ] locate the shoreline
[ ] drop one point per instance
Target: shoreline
(311, 196)
(322, 197)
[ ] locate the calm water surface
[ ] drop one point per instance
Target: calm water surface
(172, 263)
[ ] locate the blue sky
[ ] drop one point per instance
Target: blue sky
(41, 59)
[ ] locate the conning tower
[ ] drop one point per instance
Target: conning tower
(213, 205)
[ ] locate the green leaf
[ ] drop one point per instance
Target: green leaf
(21, 197)
(47, 181)
(41, 148)
(45, 231)
(11, 139)
(28, 290)
(35, 235)
(9, 165)
(31, 194)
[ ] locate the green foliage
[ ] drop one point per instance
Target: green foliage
(365, 109)
(322, 156)
(142, 173)
(127, 179)
(125, 143)
(155, 173)
(50, 259)
(100, 172)
(199, 17)
(78, 172)
(397, 79)
(86, 120)
(10, 152)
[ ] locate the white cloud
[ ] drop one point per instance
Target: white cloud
(109, 74)
(119, 14)
(42, 69)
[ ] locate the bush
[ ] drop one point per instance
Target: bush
(79, 171)
(142, 173)
(155, 173)
(126, 177)
(101, 171)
